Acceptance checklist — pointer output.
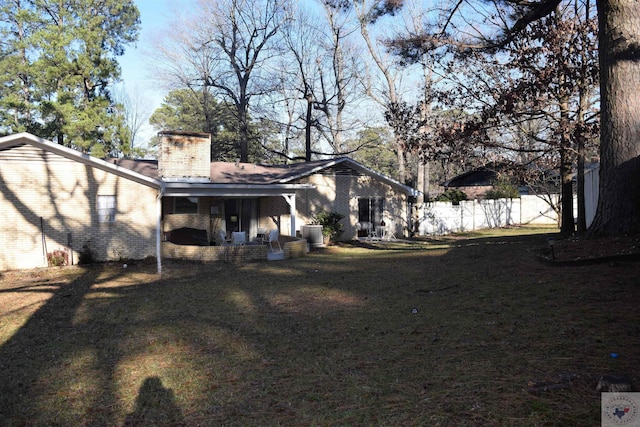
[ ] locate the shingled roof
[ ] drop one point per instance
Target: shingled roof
(252, 174)
(482, 176)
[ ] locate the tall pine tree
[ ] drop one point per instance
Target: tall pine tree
(57, 62)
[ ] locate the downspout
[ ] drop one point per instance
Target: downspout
(44, 243)
(159, 228)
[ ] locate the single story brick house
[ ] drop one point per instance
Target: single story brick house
(55, 198)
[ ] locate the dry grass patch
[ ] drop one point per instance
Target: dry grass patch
(448, 331)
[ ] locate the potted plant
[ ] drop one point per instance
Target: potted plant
(331, 225)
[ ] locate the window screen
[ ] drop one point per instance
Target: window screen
(106, 208)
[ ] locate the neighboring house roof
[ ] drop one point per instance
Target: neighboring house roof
(486, 176)
(478, 177)
(19, 139)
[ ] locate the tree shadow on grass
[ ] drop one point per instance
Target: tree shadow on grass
(342, 339)
(35, 356)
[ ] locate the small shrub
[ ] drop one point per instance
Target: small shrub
(118, 252)
(58, 258)
(86, 255)
(452, 195)
(502, 190)
(330, 222)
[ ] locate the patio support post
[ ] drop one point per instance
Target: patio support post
(291, 200)
(159, 229)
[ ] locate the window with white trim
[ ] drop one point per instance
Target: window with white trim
(106, 208)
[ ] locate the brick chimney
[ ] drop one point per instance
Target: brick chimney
(184, 156)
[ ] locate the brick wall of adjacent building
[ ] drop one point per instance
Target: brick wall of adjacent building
(184, 155)
(49, 201)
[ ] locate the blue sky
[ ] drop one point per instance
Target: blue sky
(154, 14)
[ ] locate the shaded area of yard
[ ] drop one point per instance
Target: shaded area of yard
(447, 332)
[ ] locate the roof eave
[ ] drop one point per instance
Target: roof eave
(70, 153)
(231, 190)
(409, 191)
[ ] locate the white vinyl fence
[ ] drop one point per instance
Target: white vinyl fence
(444, 217)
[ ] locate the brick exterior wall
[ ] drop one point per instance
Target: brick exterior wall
(35, 184)
(475, 192)
(345, 201)
(292, 248)
(235, 254)
(295, 248)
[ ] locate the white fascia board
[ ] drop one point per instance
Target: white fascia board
(75, 155)
(409, 191)
(311, 171)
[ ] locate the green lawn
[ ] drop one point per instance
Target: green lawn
(444, 332)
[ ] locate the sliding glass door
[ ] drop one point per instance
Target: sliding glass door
(241, 215)
(370, 210)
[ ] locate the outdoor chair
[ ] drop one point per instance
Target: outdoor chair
(367, 228)
(261, 235)
(222, 235)
(390, 233)
(272, 239)
(239, 238)
(373, 234)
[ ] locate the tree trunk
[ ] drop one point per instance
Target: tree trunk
(618, 209)
(585, 94)
(402, 170)
(243, 131)
(307, 128)
(426, 179)
(567, 226)
(582, 220)
(422, 182)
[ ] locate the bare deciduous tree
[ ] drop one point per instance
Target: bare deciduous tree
(545, 73)
(337, 77)
(224, 49)
(618, 210)
(135, 112)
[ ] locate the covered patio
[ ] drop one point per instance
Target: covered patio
(213, 211)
